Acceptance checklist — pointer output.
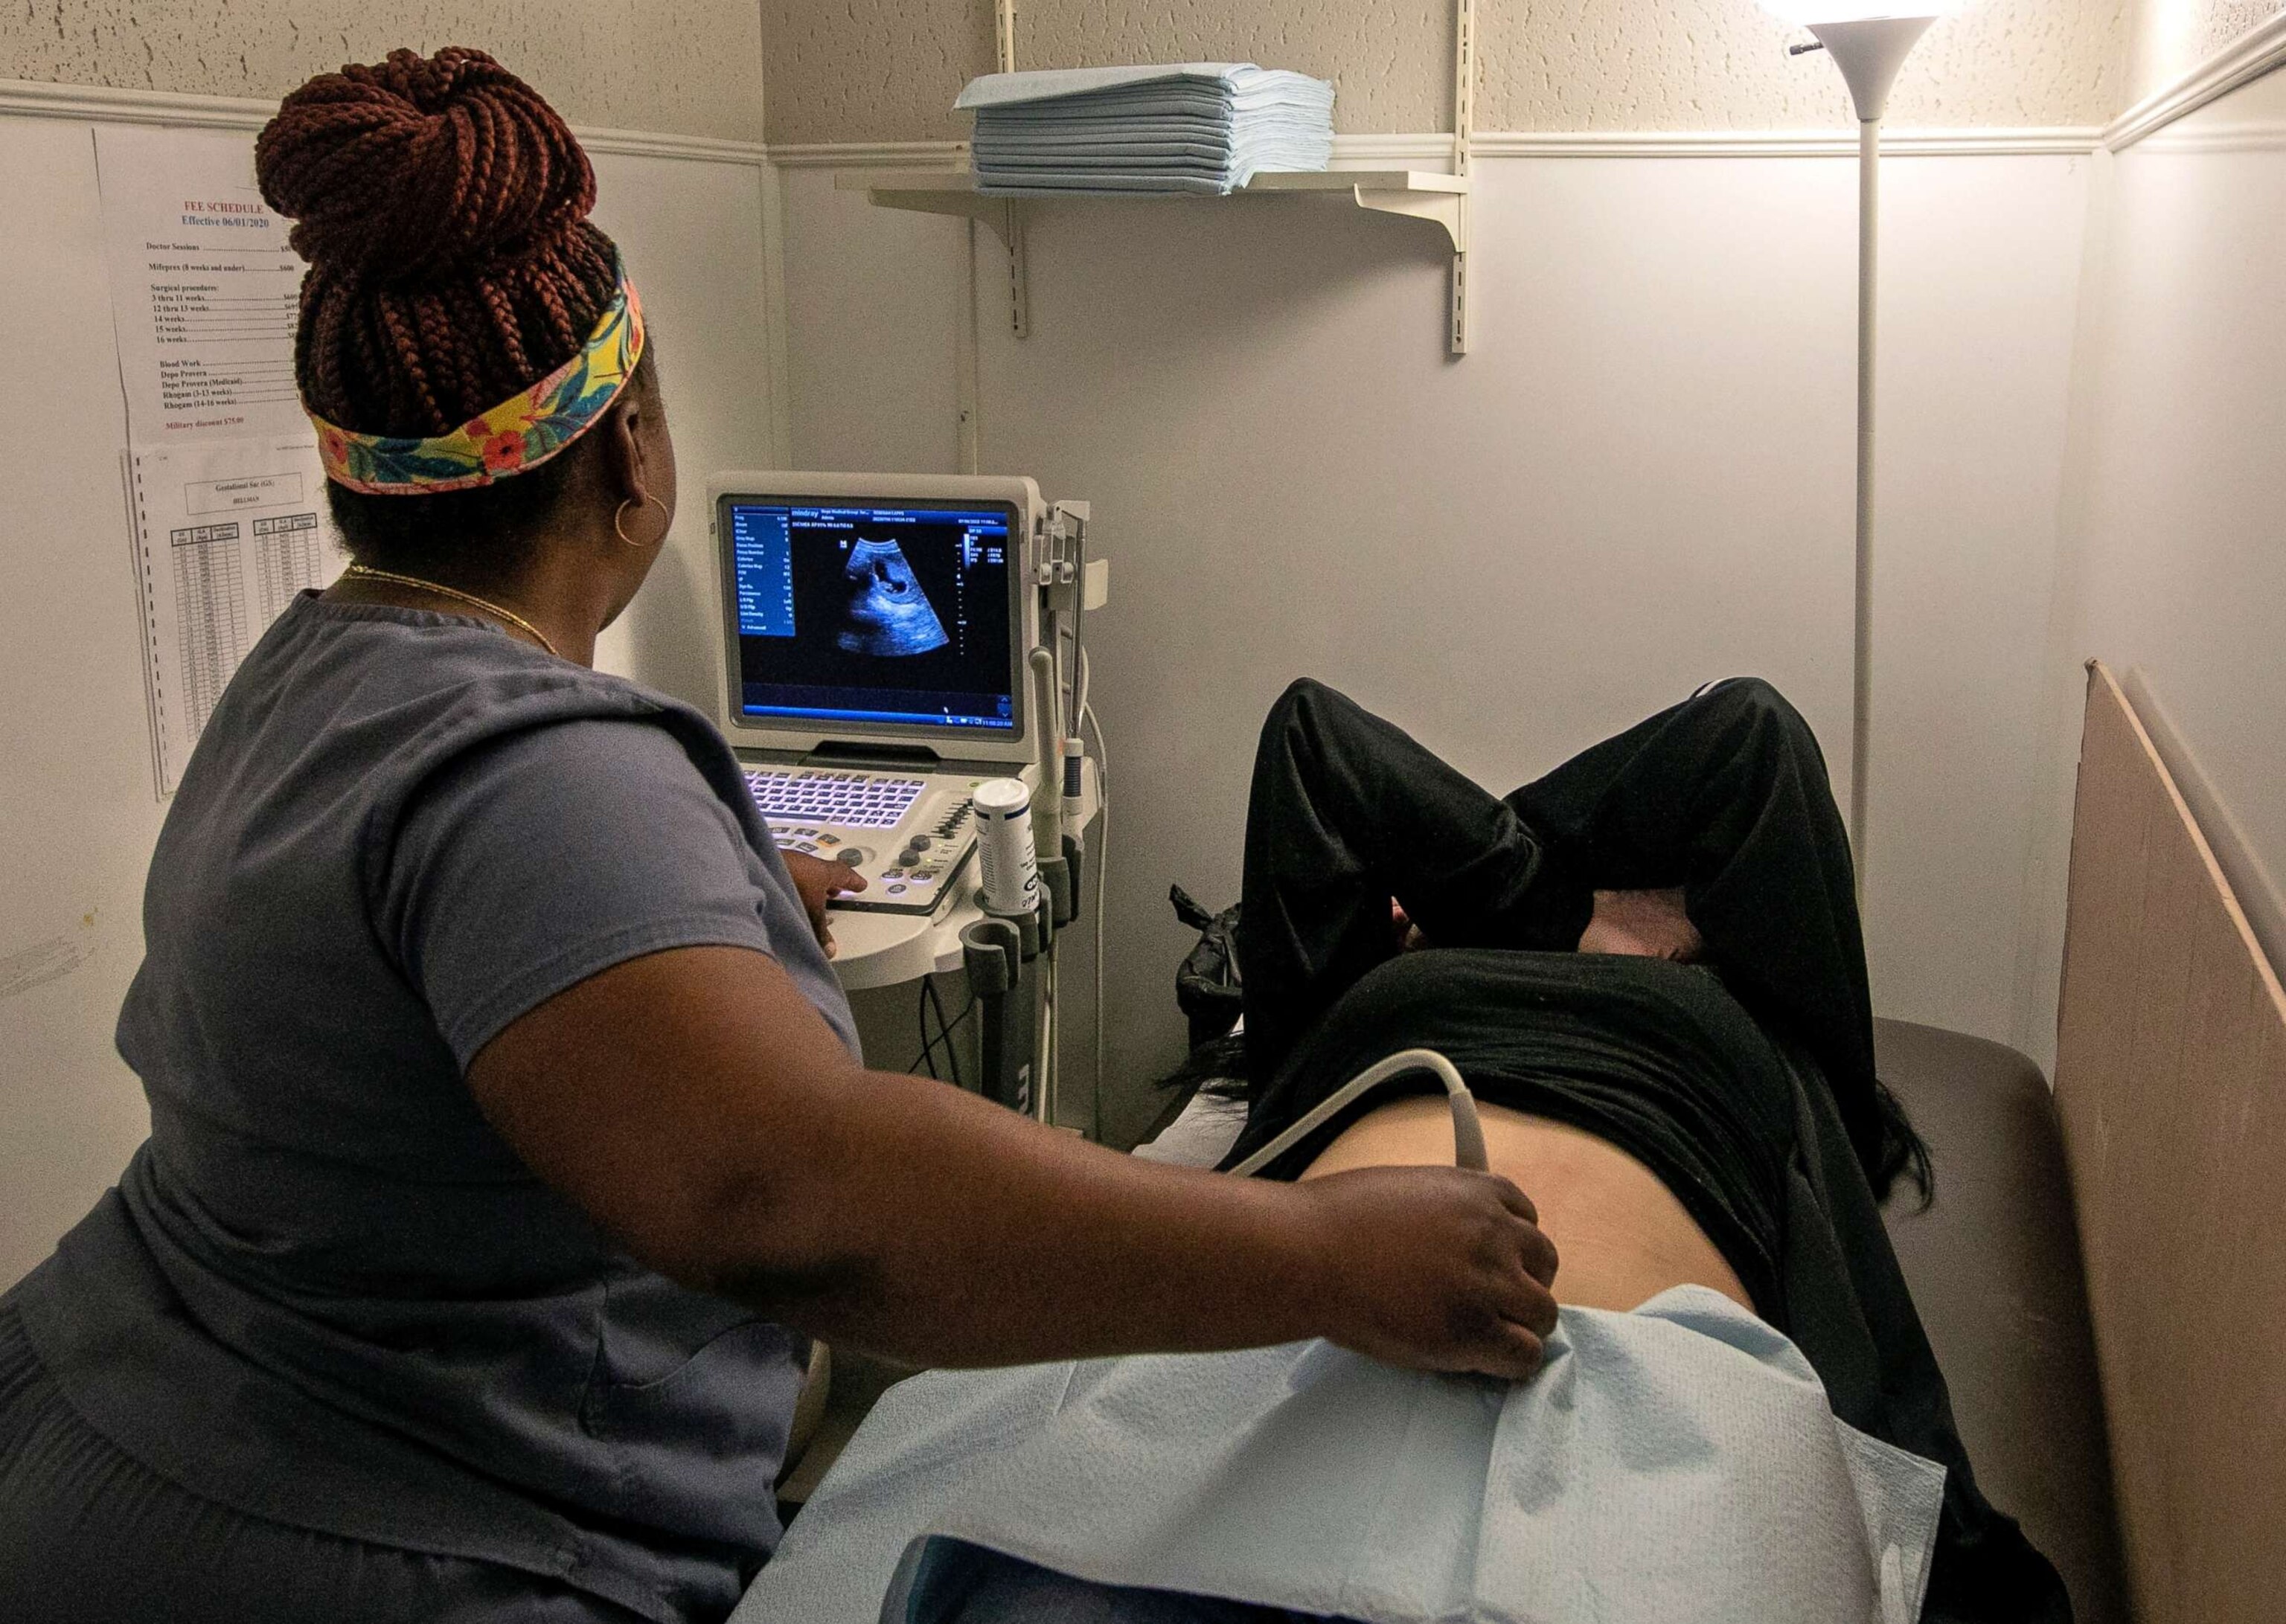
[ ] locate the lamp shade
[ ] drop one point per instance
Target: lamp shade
(1809, 13)
(1867, 44)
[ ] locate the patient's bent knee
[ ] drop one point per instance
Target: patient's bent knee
(1302, 693)
(1748, 696)
(1297, 711)
(1756, 702)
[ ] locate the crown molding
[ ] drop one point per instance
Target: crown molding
(2269, 135)
(111, 105)
(2246, 59)
(870, 154)
(1430, 151)
(653, 144)
(1780, 142)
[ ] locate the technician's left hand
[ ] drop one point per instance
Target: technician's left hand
(817, 881)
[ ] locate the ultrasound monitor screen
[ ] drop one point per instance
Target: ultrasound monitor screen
(873, 614)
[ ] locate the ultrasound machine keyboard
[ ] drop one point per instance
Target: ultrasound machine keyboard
(848, 800)
(910, 837)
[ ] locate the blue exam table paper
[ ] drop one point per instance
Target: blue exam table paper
(1679, 1462)
(1241, 81)
(1156, 144)
(1185, 127)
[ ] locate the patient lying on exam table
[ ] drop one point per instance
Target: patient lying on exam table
(1648, 967)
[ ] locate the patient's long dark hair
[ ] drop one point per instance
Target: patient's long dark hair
(1904, 1153)
(1216, 1067)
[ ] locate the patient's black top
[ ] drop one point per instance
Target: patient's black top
(1652, 1057)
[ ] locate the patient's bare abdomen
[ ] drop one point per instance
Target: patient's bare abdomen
(887, 612)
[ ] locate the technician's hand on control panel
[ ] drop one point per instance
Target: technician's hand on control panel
(818, 882)
(1439, 1268)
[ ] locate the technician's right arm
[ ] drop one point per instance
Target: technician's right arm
(696, 1105)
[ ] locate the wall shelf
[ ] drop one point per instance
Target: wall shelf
(1419, 194)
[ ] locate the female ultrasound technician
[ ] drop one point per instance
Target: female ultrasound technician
(507, 1139)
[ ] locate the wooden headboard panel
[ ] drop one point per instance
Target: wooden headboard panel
(2171, 1080)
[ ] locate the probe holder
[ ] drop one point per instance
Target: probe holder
(1001, 956)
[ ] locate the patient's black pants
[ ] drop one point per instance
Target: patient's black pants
(1724, 795)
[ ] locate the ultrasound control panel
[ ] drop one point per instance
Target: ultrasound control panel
(910, 835)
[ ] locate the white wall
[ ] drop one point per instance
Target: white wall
(2183, 560)
(77, 811)
(693, 234)
(2175, 546)
(78, 814)
(1641, 479)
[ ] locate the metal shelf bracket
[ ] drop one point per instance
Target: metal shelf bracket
(1449, 210)
(1004, 217)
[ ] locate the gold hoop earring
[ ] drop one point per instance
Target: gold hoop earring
(619, 520)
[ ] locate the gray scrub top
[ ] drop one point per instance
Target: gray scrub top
(324, 1291)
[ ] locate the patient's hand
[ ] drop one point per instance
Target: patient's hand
(1647, 924)
(1403, 931)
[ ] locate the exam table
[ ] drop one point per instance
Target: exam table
(1995, 1268)
(1994, 1265)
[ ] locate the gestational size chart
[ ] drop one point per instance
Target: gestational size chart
(226, 534)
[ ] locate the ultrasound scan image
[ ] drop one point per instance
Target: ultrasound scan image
(888, 612)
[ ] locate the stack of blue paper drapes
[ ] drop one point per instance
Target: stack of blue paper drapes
(1190, 127)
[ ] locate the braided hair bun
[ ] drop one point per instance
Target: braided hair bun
(442, 206)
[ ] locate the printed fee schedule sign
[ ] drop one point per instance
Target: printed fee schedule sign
(203, 287)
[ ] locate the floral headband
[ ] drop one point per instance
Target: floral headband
(521, 433)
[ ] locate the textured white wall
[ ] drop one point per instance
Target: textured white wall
(2169, 38)
(890, 73)
(693, 67)
(1721, 65)
(1392, 62)
(1640, 480)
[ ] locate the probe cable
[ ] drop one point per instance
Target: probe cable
(1089, 720)
(1468, 1132)
(928, 1056)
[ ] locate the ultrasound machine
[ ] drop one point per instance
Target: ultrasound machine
(878, 629)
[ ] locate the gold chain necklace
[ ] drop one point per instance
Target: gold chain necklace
(365, 573)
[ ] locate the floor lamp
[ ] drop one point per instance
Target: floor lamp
(1868, 44)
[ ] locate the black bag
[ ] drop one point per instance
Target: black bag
(1207, 985)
